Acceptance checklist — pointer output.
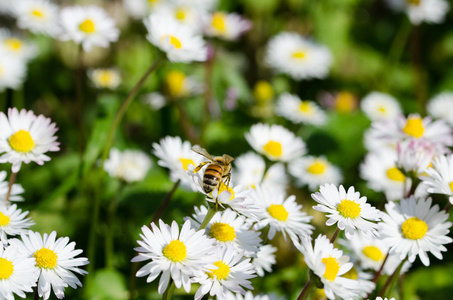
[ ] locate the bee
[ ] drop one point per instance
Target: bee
(217, 171)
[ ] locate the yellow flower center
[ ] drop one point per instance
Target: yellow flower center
(4, 220)
(414, 127)
(373, 253)
(186, 162)
(306, 107)
(175, 83)
(105, 78)
(153, 1)
(21, 141)
(223, 187)
(218, 21)
(180, 14)
(382, 110)
(37, 13)
(414, 228)
(451, 185)
(278, 211)
(263, 91)
(299, 54)
(45, 258)
(6, 268)
(87, 26)
(414, 2)
(332, 268)
(222, 232)
(13, 44)
(351, 274)
(273, 148)
(349, 209)
(222, 271)
(345, 102)
(395, 174)
(175, 251)
(317, 168)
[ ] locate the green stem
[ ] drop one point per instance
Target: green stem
(109, 240)
(306, 290)
(94, 222)
(12, 178)
(79, 99)
(390, 282)
(334, 236)
(36, 295)
(169, 292)
(209, 215)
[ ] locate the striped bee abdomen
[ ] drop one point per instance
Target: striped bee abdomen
(211, 177)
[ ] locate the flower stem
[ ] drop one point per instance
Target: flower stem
(36, 295)
(378, 273)
(390, 282)
(79, 99)
(334, 236)
(209, 215)
(169, 292)
(12, 178)
(305, 291)
(109, 243)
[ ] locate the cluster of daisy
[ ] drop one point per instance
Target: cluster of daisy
(30, 262)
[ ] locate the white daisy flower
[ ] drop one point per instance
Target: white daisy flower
(440, 176)
(414, 156)
(264, 259)
(250, 171)
(377, 106)
(25, 137)
(329, 264)
(89, 26)
(179, 85)
(17, 46)
(177, 156)
(349, 209)
(281, 213)
(230, 272)
(228, 230)
(12, 70)
(297, 111)
(275, 142)
(290, 53)
(226, 26)
(109, 78)
(365, 284)
(129, 165)
(18, 273)
(247, 296)
(182, 12)
(429, 11)
(16, 190)
(155, 100)
(314, 171)
(13, 222)
(56, 260)
(441, 107)
(38, 16)
(178, 41)
(139, 9)
(380, 298)
(176, 254)
(382, 175)
(414, 227)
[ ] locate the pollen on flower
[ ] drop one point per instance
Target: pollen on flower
(351, 274)
(220, 273)
(373, 253)
(13, 44)
(332, 268)
(21, 141)
(218, 21)
(175, 251)
(37, 13)
(414, 228)
(186, 162)
(278, 211)
(45, 258)
(299, 54)
(306, 107)
(263, 91)
(349, 209)
(87, 26)
(222, 232)
(273, 148)
(414, 127)
(317, 168)
(4, 220)
(175, 83)
(223, 187)
(6, 268)
(395, 174)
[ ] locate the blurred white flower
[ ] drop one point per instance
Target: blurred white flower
(155, 100)
(16, 190)
(378, 106)
(38, 16)
(129, 165)
(226, 26)
(415, 155)
(314, 171)
(12, 70)
(16, 46)
(179, 85)
(297, 111)
(418, 11)
(109, 78)
(439, 177)
(441, 107)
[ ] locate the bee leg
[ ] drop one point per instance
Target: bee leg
(200, 166)
(227, 179)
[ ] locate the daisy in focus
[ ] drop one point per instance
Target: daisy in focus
(25, 137)
(281, 214)
(348, 209)
(275, 142)
(329, 265)
(129, 165)
(88, 26)
(174, 253)
(226, 26)
(377, 106)
(229, 272)
(302, 59)
(314, 171)
(12, 70)
(413, 228)
(13, 222)
(56, 260)
(18, 273)
(297, 111)
(105, 78)
(439, 179)
(38, 16)
(178, 41)
(418, 11)
(16, 46)
(16, 190)
(364, 279)
(441, 107)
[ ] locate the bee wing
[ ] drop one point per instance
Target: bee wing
(202, 151)
(228, 159)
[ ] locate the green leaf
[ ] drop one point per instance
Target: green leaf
(106, 284)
